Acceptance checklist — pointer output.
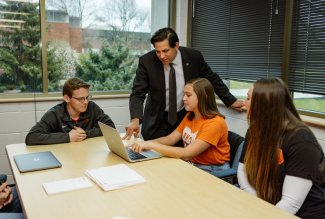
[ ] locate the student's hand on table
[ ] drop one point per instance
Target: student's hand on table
(238, 105)
(77, 134)
(132, 128)
(5, 195)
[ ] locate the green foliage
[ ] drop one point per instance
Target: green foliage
(23, 65)
(112, 68)
(313, 104)
(62, 63)
(7, 65)
(54, 74)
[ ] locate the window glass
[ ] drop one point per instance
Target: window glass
(302, 101)
(20, 49)
(307, 55)
(247, 41)
(240, 40)
(309, 102)
(307, 59)
(98, 41)
(239, 89)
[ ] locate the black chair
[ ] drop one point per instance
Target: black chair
(236, 145)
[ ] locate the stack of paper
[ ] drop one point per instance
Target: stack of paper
(66, 185)
(114, 177)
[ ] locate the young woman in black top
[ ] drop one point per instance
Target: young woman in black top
(282, 162)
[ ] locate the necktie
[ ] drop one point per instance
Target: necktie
(172, 112)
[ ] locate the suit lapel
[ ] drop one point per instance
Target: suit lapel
(186, 64)
(161, 76)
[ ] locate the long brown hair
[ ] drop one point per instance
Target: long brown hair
(207, 105)
(272, 115)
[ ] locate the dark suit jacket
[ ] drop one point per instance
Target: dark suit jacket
(150, 81)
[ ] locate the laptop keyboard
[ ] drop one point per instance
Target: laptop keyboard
(134, 155)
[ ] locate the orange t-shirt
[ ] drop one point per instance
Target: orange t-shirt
(213, 131)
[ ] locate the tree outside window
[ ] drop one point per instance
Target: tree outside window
(104, 39)
(98, 41)
(20, 52)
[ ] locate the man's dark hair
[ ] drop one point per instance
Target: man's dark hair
(163, 34)
(73, 84)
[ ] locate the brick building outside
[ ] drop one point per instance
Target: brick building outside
(62, 27)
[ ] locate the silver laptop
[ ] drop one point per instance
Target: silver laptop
(115, 145)
(36, 161)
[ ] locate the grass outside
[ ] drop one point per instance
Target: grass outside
(313, 104)
(240, 85)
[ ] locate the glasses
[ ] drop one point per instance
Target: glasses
(82, 99)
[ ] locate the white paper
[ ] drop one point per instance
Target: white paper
(114, 177)
(67, 185)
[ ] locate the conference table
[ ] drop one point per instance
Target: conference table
(173, 189)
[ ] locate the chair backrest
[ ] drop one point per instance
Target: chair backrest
(235, 162)
(236, 143)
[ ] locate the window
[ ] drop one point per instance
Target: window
(240, 40)
(239, 88)
(98, 41)
(243, 41)
(307, 61)
(20, 51)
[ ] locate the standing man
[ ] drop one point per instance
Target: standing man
(75, 119)
(161, 75)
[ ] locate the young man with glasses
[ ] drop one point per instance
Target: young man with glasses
(73, 120)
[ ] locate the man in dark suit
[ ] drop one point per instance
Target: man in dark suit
(152, 83)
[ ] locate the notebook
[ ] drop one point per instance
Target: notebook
(66, 185)
(36, 161)
(114, 177)
(115, 145)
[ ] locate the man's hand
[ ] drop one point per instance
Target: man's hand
(140, 146)
(5, 195)
(77, 134)
(132, 128)
(238, 105)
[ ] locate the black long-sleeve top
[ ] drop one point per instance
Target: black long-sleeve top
(55, 125)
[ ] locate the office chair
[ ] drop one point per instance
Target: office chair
(236, 145)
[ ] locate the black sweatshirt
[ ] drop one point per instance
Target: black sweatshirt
(55, 125)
